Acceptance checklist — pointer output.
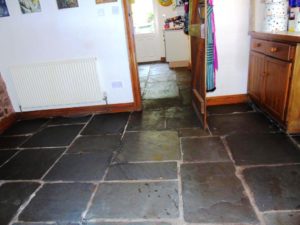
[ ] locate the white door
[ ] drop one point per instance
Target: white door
(146, 31)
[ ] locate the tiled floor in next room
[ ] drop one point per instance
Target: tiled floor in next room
(162, 86)
(155, 167)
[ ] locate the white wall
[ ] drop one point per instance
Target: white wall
(87, 31)
(161, 14)
(151, 47)
(259, 13)
(168, 12)
(232, 22)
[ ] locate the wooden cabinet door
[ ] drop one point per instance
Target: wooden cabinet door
(256, 77)
(277, 81)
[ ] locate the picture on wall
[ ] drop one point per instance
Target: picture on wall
(64, 4)
(30, 6)
(105, 1)
(3, 9)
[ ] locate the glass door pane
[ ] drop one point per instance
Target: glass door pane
(143, 16)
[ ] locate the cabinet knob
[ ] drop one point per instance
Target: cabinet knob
(274, 49)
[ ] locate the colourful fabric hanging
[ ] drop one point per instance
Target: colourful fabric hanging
(212, 54)
(186, 16)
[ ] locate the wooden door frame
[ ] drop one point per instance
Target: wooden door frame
(198, 57)
(135, 81)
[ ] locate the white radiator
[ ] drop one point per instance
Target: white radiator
(57, 84)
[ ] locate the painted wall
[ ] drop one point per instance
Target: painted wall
(163, 13)
(151, 47)
(232, 21)
(258, 8)
(87, 31)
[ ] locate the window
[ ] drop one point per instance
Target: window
(143, 16)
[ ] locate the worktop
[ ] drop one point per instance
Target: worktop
(277, 36)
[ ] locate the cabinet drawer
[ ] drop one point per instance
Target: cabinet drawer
(258, 45)
(279, 50)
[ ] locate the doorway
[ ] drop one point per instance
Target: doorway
(163, 87)
(161, 83)
(146, 30)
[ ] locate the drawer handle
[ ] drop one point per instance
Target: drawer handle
(274, 49)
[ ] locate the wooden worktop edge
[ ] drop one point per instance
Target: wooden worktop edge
(275, 37)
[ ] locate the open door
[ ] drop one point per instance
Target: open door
(198, 58)
(146, 32)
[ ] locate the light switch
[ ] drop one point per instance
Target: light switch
(117, 84)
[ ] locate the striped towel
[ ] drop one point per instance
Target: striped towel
(212, 55)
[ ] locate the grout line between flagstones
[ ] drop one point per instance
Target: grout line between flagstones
(250, 195)
(10, 158)
(231, 113)
(67, 124)
(243, 167)
(134, 220)
(16, 135)
(149, 161)
(42, 127)
(46, 147)
(180, 191)
(222, 224)
(281, 211)
(102, 181)
(67, 148)
(25, 204)
(90, 202)
(39, 223)
(294, 141)
(19, 149)
(247, 190)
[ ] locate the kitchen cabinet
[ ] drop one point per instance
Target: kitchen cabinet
(256, 74)
(274, 77)
(277, 78)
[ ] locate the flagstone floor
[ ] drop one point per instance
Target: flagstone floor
(164, 87)
(154, 167)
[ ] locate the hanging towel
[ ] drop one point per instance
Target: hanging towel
(186, 16)
(211, 51)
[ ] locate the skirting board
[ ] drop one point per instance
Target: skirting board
(227, 99)
(7, 122)
(179, 64)
(163, 59)
(77, 111)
